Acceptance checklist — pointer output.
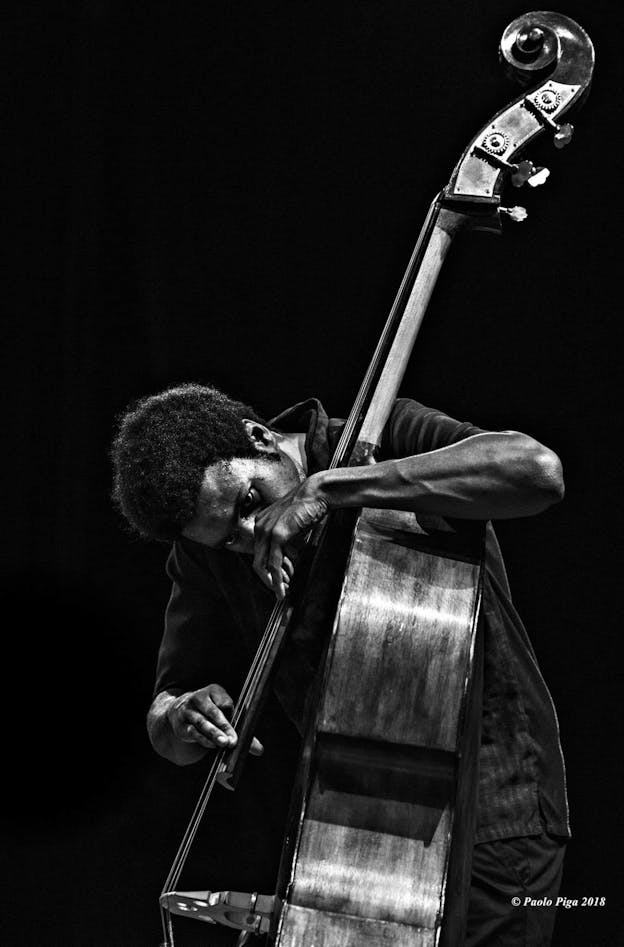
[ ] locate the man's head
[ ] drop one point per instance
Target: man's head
(189, 460)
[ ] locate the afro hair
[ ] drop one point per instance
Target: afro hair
(161, 449)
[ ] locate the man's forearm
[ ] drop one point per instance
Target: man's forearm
(162, 736)
(495, 475)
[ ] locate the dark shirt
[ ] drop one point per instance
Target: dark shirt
(218, 611)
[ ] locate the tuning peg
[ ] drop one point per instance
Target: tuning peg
(517, 214)
(519, 173)
(539, 106)
(539, 176)
(526, 171)
(522, 173)
(563, 135)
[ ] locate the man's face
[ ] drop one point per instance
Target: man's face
(231, 495)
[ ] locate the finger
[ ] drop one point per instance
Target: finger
(256, 748)
(221, 698)
(264, 576)
(213, 717)
(212, 740)
(204, 708)
(266, 565)
(260, 551)
(276, 558)
(189, 734)
(279, 588)
(287, 566)
(211, 734)
(260, 568)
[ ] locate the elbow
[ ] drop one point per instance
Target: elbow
(549, 475)
(542, 472)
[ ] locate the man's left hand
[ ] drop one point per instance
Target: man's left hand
(279, 530)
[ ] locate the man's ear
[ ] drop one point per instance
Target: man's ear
(262, 437)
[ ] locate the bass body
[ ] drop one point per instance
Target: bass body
(381, 847)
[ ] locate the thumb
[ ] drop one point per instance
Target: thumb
(256, 748)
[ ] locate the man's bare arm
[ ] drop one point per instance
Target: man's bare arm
(493, 475)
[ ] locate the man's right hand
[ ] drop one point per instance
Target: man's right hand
(202, 716)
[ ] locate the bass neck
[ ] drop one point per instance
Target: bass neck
(361, 437)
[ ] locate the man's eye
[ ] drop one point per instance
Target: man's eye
(230, 540)
(249, 502)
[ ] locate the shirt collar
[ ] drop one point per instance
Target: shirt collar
(310, 417)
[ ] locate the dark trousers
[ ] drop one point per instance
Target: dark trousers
(508, 877)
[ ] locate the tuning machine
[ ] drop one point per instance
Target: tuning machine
(517, 214)
(545, 101)
(563, 135)
(526, 171)
(494, 145)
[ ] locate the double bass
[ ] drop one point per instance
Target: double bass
(379, 844)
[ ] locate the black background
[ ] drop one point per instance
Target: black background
(229, 193)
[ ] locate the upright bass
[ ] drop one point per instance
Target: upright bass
(382, 824)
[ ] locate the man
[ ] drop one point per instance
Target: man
(234, 495)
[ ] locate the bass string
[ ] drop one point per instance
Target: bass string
(182, 853)
(191, 830)
(250, 685)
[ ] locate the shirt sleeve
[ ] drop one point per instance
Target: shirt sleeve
(412, 428)
(194, 650)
